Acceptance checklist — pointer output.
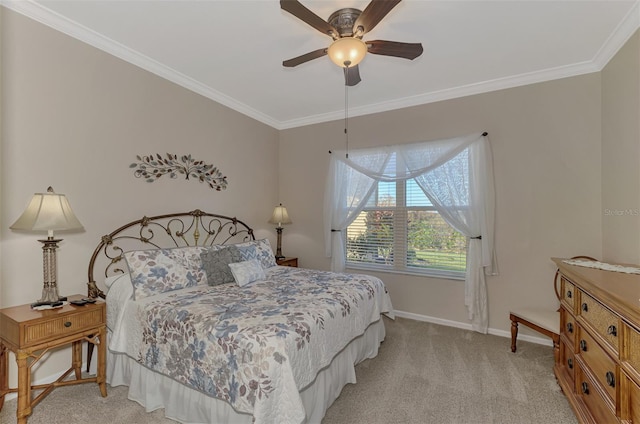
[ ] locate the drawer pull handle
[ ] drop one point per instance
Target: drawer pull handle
(67, 324)
(569, 294)
(570, 327)
(570, 363)
(612, 330)
(585, 307)
(585, 388)
(583, 345)
(611, 379)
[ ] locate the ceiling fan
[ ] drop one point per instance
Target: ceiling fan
(347, 27)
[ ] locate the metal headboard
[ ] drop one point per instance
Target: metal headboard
(195, 228)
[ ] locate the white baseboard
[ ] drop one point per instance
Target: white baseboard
(467, 326)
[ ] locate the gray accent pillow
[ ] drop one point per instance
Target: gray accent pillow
(216, 264)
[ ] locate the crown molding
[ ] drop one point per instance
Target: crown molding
(41, 14)
(62, 24)
(451, 93)
(625, 29)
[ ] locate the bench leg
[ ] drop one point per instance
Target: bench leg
(556, 347)
(514, 334)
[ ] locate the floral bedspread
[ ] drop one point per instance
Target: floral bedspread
(257, 346)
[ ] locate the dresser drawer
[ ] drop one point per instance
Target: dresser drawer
(587, 390)
(632, 352)
(59, 326)
(568, 360)
(568, 326)
(568, 292)
(630, 402)
(601, 319)
(602, 367)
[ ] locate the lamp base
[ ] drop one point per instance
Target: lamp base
(49, 294)
(279, 254)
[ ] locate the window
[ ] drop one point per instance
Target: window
(375, 218)
(400, 230)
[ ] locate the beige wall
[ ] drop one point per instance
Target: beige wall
(621, 155)
(75, 118)
(546, 146)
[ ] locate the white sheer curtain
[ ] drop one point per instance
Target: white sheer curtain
(457, 177)
(346, 194)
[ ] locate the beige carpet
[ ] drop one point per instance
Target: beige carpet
(424, 373)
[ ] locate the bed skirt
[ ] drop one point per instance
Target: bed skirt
(153, 390)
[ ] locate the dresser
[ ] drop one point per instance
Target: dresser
(598, 366)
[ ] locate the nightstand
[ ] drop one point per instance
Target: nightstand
(29, 334)
(287, 262)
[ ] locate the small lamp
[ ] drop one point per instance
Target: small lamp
(48, 212)
(280, 216)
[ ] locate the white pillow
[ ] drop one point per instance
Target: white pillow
(247, 271)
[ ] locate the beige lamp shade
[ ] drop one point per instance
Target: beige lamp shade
(280, 216)
(48, 212)
(347, 51)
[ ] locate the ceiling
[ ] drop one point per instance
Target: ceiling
(232, 51)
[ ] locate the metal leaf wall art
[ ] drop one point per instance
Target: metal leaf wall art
(155, 166)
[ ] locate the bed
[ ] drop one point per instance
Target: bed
(260, 344)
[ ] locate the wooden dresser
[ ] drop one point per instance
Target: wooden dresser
(598, 366)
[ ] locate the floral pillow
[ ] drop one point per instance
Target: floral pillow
(247, 272)
(162, 270)
(216, 264)
(263, 252)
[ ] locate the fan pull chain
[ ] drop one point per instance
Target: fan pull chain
(346, 110)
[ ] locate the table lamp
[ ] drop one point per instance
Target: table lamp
(48, 212)
(280, 216)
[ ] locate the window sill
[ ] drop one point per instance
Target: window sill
(446, 275)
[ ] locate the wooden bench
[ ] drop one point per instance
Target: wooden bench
(544, 321)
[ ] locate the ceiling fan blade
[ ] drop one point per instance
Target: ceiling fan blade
(304, 58)
(373, 14)
(352, 76)
(299, 11)
(394, 48)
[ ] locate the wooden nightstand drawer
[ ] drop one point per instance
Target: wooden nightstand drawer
(60, 326)
(288, 262)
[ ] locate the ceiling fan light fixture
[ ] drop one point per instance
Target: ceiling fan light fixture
(347, 51)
